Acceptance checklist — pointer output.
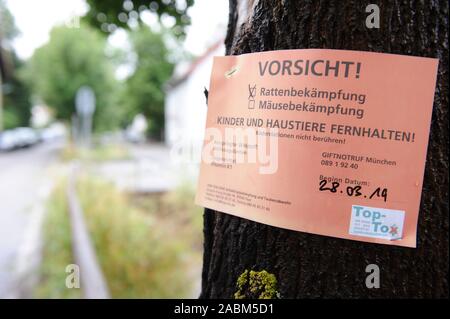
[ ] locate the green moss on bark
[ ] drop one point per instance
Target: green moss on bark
(256, 285)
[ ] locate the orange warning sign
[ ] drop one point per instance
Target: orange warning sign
(329, 142)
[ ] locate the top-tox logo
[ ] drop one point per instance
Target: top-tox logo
(376, 222)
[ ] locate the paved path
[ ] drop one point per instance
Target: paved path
(22, 173)
(149, 170)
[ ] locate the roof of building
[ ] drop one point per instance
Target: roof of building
(175, 81)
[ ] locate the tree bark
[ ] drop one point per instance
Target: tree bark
(313, 266)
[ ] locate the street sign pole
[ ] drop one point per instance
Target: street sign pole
(85, 107)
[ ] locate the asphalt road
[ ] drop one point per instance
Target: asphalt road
(22, 172)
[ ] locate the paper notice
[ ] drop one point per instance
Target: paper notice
(329, 142)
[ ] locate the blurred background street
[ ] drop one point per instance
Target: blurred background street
(18, 188)
(102, 112)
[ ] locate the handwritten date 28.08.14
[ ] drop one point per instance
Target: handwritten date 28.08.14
(354, 191)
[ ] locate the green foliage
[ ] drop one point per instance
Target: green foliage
(137, 256)
(17, 105)
(98, 153)
(144, 88)
(17, 99)
(141, 254)
(176, 208)
(107, 15)
(72, 58)
(10, 119)
(8, 29)
(16, 94)
(57, 250)
(256, 285)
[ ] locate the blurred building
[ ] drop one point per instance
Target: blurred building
(41, 116)
(185, 106)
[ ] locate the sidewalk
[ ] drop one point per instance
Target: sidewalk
(149, 170)
(25, 183)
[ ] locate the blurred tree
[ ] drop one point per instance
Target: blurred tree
(16, 96)
(17, 99)
(144, 88)
(8, 29)
(74, 57)
(108, 15)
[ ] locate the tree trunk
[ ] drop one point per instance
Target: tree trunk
(313, 266)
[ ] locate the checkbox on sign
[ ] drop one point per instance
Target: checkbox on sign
(251, 104)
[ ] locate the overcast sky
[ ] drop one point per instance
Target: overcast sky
(35, 18)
